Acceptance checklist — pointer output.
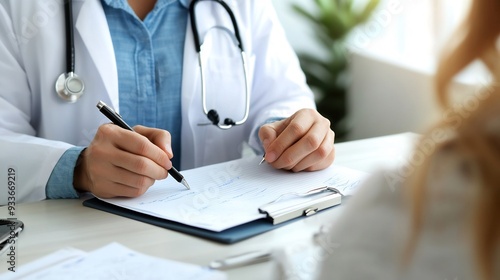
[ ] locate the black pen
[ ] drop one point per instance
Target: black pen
(117, 119)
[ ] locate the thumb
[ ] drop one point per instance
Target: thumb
(269, 132)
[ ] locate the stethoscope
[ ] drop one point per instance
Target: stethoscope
(212, 114)
(70, 87)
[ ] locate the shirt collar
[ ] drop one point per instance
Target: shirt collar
(185, 3)
(117, 4)
(122, 4)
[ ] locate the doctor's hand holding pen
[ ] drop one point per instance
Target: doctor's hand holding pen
(120, 162)
(302, 142)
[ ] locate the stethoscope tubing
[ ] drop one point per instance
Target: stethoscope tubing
(70, 87)
(194, 25)
(212, 114)
(70, 38)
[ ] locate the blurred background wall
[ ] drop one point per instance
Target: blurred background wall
(392, 60)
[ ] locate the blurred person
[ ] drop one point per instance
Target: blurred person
(440, 220)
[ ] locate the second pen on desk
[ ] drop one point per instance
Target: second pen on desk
(117, 119)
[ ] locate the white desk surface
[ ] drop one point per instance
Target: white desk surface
(54, 224)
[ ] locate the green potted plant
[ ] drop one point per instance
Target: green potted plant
(326, 74)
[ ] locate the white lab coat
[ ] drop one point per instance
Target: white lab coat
(37, 127)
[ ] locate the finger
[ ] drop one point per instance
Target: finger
(108, 152)
(112, 189)
(159, 137)
(304, 146)
(140, 145)
(269, 132)
(140, 165)
(128, 178)
(320, 158)
(106, 174)
(99, 168)
(295, 130)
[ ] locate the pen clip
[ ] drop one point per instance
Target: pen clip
(247, 258)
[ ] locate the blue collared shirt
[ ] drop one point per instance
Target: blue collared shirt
(149, 58)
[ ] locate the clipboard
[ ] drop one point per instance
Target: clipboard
(278, 215)
(320, 198)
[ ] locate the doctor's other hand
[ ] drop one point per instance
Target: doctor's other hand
(123, 163)
(302, 142)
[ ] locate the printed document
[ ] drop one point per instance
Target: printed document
(113, 261)
(228, 194)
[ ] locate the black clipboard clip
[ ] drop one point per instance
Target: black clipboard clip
(303, 204)
(9, 232)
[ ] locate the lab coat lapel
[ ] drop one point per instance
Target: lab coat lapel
(93, 28)
(191, 109)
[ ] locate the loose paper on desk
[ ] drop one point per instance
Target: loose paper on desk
(228, 194)
(113, 261)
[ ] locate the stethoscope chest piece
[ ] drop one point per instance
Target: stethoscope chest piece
(69, 87)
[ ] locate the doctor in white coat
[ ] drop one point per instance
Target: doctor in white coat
(37, 127)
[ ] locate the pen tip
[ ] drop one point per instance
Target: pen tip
(184, 182)
(262, 160)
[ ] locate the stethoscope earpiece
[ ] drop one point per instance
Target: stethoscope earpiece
(229, 121)
(213, 116)
(69, 87)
